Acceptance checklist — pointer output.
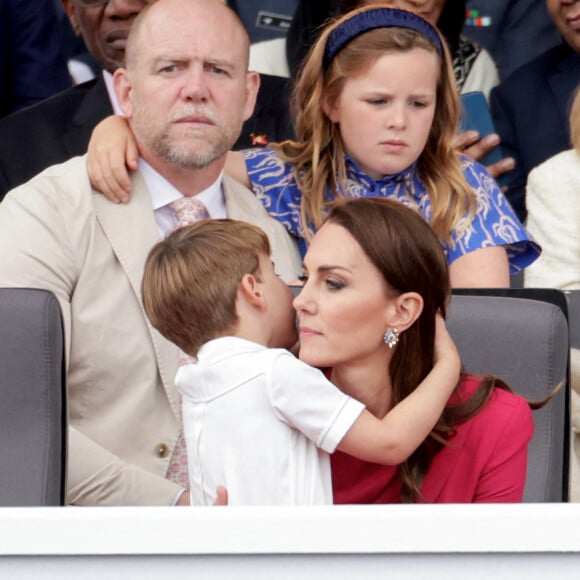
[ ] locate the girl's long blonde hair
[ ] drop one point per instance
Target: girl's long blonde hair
(318, 153)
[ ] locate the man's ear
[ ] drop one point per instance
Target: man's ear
(122, 86)
(407, 308)
(250, 291)
(252, 88)
(69, 8)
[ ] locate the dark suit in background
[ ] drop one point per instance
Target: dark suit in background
(32, 65)
(530, 113)
(60, 127)
(520, 30)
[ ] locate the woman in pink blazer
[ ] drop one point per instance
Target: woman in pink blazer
(374, 279)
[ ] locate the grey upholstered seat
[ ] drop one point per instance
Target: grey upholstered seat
(525, 342)
(264, 19)
(573, 298)
(32, 390)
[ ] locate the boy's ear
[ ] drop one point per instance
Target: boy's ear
(250, 290)
(408, 307)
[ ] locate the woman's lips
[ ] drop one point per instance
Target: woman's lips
(306, 332)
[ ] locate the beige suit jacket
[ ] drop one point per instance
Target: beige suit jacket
(57, 233)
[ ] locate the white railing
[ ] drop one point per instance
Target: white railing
(437, 541)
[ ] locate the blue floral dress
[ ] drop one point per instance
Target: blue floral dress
(494, 223)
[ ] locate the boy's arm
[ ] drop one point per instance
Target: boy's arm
(391, 440)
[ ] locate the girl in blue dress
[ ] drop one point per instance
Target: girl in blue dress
(376, 109)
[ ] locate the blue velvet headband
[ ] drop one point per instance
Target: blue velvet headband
(376, 18)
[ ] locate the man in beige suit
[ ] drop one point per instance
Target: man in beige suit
(186, 92)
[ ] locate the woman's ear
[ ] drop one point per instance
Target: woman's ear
(408, 307)
(250, 291)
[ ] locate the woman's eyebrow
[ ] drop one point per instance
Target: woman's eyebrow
(326, 268)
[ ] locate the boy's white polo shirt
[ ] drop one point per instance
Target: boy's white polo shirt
(260, 422)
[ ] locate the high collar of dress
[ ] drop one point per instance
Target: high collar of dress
(354, 172)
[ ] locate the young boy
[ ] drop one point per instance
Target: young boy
(256, 419)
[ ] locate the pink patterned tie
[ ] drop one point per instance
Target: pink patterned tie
(188, 210)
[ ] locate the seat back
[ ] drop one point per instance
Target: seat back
(524, 341)
(32, 387)
(573, 298)
(265, 19)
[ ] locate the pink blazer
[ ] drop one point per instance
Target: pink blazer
(485, 460)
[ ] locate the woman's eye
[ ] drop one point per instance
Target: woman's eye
(334, 284)
(303, 278)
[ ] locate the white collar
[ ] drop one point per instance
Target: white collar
(108, 77)
(163, 193)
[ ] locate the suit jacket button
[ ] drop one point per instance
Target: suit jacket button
(162, 450)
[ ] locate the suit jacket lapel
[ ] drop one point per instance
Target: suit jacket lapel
(132, 231)
(563, 82)
(93, 108)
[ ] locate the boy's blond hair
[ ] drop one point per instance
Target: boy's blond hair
(191, 279)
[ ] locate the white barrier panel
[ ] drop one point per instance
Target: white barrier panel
(389, 542)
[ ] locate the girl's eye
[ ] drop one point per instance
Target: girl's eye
(303, 278)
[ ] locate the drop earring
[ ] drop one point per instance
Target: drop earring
(391, 337)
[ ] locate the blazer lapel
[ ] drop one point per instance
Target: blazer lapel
(132, 231)
(92, 109)
(563, 82)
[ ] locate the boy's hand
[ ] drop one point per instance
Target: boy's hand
(445, 352)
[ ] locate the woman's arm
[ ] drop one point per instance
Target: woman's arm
(483, 268)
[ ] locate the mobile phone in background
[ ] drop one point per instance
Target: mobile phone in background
(476, 116)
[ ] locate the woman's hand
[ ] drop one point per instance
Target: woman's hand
(112, 153)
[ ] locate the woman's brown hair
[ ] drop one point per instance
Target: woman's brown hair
(404, 249)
